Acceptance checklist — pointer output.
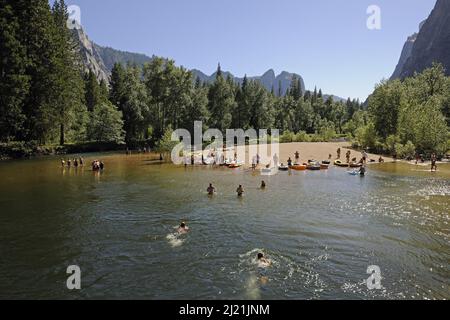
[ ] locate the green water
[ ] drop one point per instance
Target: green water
(321, 230)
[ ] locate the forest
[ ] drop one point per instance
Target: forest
(50, 101)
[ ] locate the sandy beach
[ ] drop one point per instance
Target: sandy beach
(311, 151)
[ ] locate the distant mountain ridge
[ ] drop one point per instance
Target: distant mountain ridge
(269, 79)
(431, 44)
(101, 60)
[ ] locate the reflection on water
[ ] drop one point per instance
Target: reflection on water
(320, 229)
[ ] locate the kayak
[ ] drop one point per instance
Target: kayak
(298, 167)
(234, 165)
(209, 161)
(326, 162)
(339, 163)
(283, 168)
(355, 165)
(313, 167)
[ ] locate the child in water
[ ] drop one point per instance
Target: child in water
(183, 228)
(263, 262)
(240, 191)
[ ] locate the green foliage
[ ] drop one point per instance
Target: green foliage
(106, 124)
(367, 136)
(165, 144)
(406, 151)
(413, 112)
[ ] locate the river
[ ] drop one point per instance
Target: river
(322, 230)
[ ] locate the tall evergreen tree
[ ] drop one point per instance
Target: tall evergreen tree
(14, 82)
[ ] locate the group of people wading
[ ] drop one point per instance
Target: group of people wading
(79, 162)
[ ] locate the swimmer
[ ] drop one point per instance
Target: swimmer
(263, 262)
(240, 191)
(263, 185)
(183, 228)
(211, 190)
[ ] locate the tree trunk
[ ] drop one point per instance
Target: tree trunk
(62, 136)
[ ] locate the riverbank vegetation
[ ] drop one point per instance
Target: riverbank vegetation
(47, 98)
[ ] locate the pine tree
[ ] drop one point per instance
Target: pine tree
(14, 83)
(92, 91)
(67, 81)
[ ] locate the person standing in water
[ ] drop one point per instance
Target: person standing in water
(69, 163)
(433, 162)
(63, 163)
(289, 162)
(81, 161)
(240, 191)
(211, 190)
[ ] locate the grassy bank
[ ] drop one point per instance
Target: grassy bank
(21, 150)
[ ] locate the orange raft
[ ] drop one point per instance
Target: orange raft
(299, 167)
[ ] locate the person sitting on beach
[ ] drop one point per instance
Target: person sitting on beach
(183, 228)
(263, 185)
(240, 191)
(433, 162)
(263, 262)
(211, 190)
(289, 162)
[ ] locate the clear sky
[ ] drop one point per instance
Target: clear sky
(325, 41)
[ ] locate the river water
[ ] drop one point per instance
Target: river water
(322, 230)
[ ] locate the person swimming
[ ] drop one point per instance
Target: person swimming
(183, 228)
(263, 262)
(263, 185)
(240, 191)
(211, 190)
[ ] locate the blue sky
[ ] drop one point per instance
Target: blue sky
(325, 41)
